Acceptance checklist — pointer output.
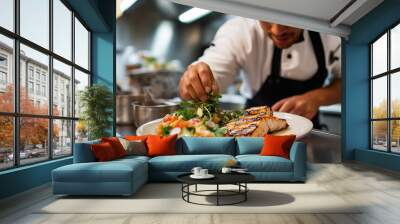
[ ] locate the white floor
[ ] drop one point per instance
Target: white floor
(379, 190)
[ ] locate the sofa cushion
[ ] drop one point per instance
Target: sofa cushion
(185, 163)
(249, 145)
(129, 159)
(112, 171)
(257, 163)
(205, 145)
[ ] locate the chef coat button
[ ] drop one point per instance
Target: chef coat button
(289, 56)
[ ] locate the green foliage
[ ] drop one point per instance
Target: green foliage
(97, 103)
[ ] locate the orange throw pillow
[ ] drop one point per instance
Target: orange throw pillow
(136, 137)
(116, 145)
(103, 152)
(277, 145)
(161, 146)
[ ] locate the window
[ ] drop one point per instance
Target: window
(3, 72)
(3, 78)
(62, 74)
(30, 72)
(3, 61)
(47, 74)
(34, 24)
(385, 94)
(81, 45)
(44, 91)
(62, 30)
(6, 89)
(37, 89)
(37, 74)
(7, 14)
(30, 88)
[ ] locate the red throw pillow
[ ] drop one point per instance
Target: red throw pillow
(277, 145)
(161, 146)
(116, 145)
(103, 152)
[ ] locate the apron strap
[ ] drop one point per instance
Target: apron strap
(276, 62)
(319, 52)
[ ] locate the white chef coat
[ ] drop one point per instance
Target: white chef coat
(242, 47)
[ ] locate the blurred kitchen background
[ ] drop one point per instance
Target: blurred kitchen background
(156, 41)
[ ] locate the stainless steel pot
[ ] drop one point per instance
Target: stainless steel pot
(148, 111)
(123, 108)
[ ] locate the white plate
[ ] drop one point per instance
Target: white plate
(208, 176)
(298, 125)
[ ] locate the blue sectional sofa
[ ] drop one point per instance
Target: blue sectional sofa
(125, 176)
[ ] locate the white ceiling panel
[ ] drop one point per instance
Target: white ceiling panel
(321, 9)
(327, 16)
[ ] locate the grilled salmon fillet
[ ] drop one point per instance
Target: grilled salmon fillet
(261, 110)
(255, 125)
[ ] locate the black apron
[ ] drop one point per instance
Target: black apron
(276, 88)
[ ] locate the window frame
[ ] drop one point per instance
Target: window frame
(16, 114)
(388, 74)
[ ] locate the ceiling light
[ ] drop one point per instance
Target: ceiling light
(126, 4)
(193, 14)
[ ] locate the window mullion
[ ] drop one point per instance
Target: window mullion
(73, 82)
(16, 84)
(50, 81)
(371, 89)
(389, 126)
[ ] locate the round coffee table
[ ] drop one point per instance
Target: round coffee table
(238, 179)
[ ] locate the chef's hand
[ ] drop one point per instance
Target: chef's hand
(301, 105)
(197, 82)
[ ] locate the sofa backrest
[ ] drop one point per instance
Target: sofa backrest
(83, 153)
(249, 145)
(204, 145)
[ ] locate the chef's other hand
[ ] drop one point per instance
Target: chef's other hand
(197, 82)
(300, 104)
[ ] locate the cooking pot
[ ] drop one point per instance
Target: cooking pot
(123, 107)
(144, 112)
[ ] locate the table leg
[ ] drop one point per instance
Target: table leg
(182, 189)
(245, 193)
(217, 194)
(188, 189)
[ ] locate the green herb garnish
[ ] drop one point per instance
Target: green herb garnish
(166, 130)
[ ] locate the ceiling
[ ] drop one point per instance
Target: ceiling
(321, 9)
(327, 16)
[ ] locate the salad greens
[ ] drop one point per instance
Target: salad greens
(202, 119)
(209, 110)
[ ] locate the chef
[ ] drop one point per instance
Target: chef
(289, 69)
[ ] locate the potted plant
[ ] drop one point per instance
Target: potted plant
(96, 103)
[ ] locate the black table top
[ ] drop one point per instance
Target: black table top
(220, 178)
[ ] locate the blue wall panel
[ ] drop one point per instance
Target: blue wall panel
(356, 102)
(356, 73)
(24, 178)
(103, 67)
